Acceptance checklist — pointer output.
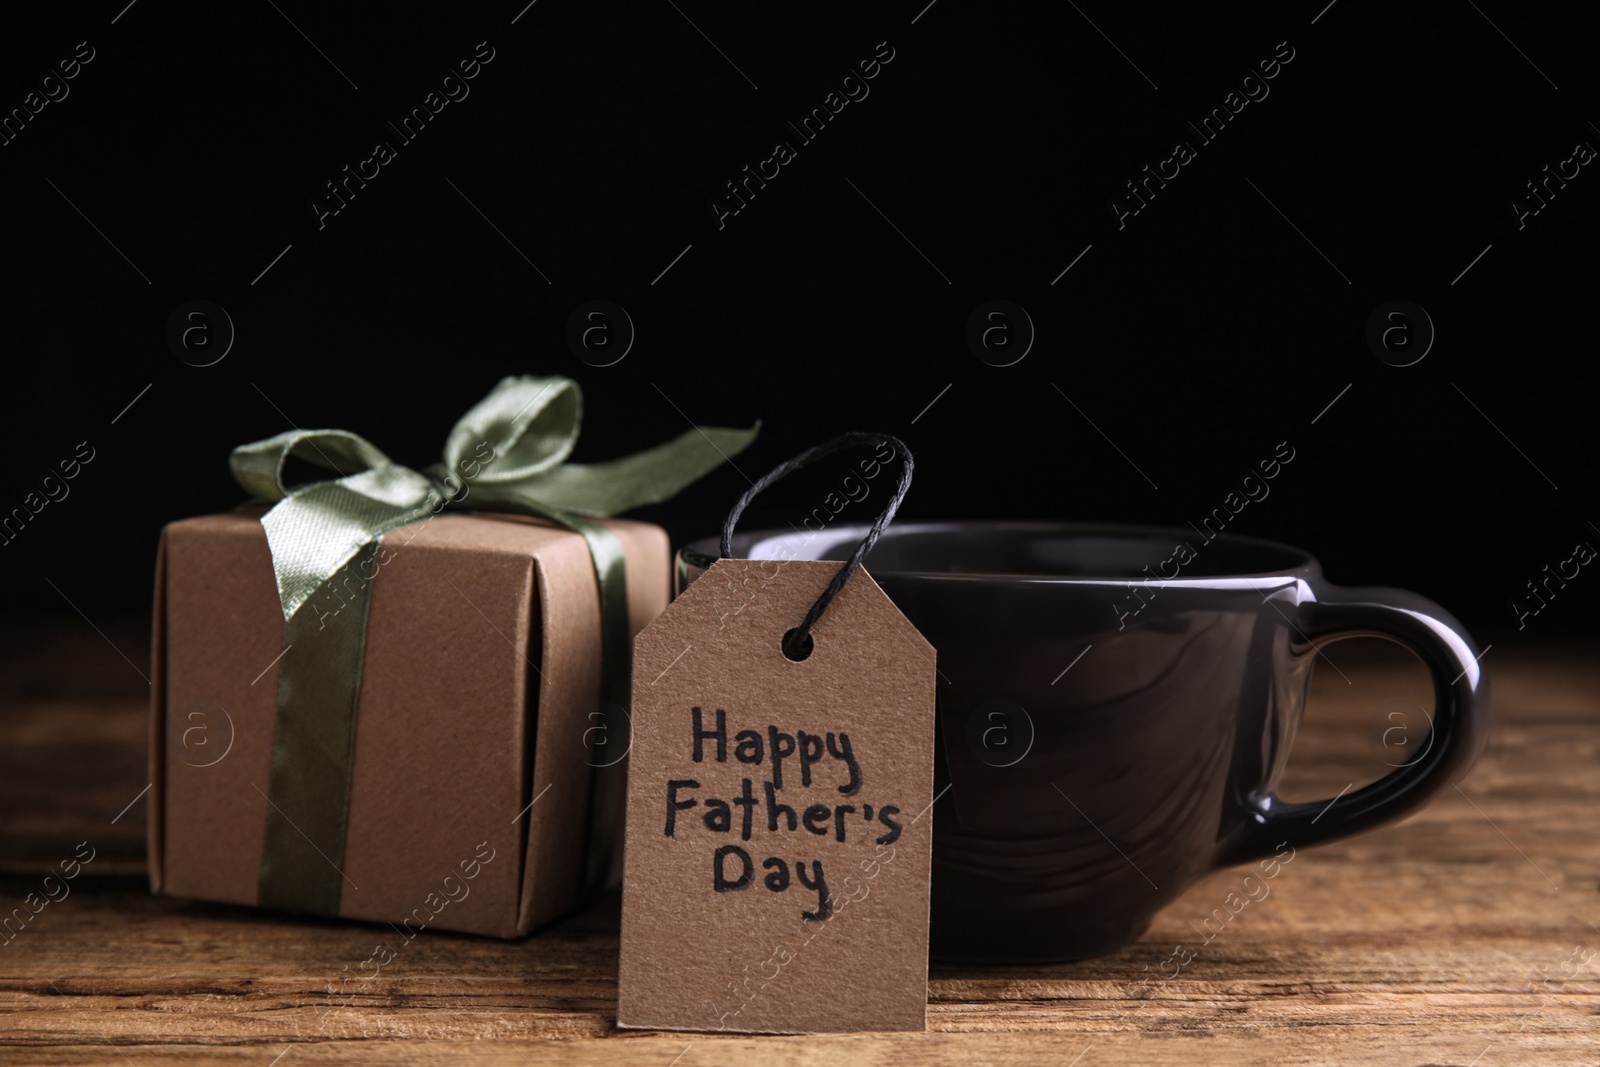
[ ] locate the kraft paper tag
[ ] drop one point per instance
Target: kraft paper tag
(779, 824)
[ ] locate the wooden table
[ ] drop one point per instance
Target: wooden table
(1469, 934)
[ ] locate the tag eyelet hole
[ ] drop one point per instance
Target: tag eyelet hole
(803, 650)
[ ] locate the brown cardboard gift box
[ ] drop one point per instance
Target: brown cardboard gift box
(481, 675)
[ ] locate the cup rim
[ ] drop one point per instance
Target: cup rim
(704, 551)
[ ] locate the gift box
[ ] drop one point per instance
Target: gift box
(479, 685)
(371, 702)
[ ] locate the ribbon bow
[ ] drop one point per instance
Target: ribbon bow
(529, 426)
(508, 453)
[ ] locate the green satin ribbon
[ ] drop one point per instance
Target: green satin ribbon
(508, 453)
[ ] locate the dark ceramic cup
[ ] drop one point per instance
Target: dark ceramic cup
(1115, 707)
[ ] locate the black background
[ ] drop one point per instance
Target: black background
(1196, 338)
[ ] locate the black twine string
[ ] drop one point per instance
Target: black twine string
(797, 642)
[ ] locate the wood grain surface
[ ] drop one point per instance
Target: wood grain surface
(1468, 934)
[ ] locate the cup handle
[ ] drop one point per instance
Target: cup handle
(1460, 722)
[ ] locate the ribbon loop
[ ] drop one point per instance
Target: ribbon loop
(531, 424)
(258, 467)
